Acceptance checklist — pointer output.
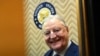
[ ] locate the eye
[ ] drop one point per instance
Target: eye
(57, 30)
(46, 32)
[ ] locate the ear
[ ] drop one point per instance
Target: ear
(67, 28)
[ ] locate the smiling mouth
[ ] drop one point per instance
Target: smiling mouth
(55, 40)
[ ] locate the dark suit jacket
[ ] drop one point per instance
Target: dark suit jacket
(73, 50)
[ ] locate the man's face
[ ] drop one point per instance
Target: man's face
(56, 34)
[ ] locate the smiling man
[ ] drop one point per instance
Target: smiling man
(56, 35)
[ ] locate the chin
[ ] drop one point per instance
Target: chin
(56, 47)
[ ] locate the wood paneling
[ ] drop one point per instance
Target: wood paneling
(11, 28)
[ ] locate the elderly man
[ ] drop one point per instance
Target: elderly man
(56, 35)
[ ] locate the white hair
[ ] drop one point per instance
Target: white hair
(50, 17)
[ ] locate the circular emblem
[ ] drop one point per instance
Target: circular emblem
(42, 11)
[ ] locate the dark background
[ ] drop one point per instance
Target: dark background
(93, 15)
(96, 20)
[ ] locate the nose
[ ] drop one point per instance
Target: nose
(52, 34)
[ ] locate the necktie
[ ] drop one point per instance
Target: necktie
(56, 55)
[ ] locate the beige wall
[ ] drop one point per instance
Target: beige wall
(11, 28)
(35, 44)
